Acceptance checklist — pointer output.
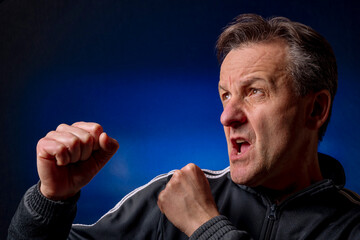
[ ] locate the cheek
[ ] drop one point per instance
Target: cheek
(277, 129)
(271, 127)
(227, 132)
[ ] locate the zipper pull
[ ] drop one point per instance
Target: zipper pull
(272, 214)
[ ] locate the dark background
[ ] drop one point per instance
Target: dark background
(146, 71)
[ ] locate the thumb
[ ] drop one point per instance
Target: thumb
(108, 144)
(108, 147)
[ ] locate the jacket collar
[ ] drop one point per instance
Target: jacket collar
(332, 169)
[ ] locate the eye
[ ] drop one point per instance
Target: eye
(254, 91)
(225, 96)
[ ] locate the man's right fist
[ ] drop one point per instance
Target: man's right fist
(68, 158)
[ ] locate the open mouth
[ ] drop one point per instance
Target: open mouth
(241, 146)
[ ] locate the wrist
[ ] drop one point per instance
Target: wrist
(54, 195)
(200, 222)
(215, 227)
(47, 208)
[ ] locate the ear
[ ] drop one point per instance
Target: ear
(320, 109)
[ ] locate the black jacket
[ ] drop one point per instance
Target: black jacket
(324, 210)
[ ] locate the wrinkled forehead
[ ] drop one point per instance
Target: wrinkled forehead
(259, 60)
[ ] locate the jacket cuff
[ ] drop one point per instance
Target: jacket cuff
(47, 208)
(215, 228)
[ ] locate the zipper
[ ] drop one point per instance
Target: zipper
(274, 208)
(271, 220)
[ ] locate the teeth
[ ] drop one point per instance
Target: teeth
(239, 142)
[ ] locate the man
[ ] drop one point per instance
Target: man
(277, 83)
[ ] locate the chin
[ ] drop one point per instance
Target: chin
(245, 176)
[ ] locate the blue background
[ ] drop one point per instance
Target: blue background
(147, 72)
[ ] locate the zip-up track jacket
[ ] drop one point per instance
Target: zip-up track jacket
(324, 210)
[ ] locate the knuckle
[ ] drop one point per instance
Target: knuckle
(61, 127)
(73, 141)
(175, 179)
(160, 201)
(51, 133)
(88, 139)
(97, 128)
(77, 123)
(40, 144)
(177, 174)
(169, 185)
(60, 149)
(41, 141)
(191, 167)
(161, 196)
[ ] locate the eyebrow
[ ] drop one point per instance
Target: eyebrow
(248, 82)
(222, 88)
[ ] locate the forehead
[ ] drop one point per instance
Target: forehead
(256, 60)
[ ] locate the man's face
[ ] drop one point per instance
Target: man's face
(264, 120)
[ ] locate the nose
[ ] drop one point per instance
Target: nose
(233, 115)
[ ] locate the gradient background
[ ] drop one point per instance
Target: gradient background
(147, 72)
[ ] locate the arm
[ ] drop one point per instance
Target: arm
(188, 203)
(40, 218)
(67, 159)
(219, 228)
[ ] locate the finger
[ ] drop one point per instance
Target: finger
(194, 172)
(162, 200)
(191, 168)
(175, 180)
(87, 140)
(108, 147)
(172, 187)
(94, 129)
(100, 157)
(108, 144)
(196, 178)
(191, 172)
(71, 141)
(49, 149)
(176, 175)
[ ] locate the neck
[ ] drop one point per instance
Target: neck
(300, 177)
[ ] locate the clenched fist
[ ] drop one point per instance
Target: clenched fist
(186, 200)
(69, 157)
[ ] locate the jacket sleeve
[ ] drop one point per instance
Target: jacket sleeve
(40, 218)
(219, 228)
(136, 216)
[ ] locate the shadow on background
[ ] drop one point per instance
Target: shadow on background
(148, 73)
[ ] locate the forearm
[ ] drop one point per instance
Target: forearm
(219, 228)
(40, 218)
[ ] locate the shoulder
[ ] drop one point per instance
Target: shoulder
(350, 196)
(346, 214)
(143, 199)
(158, 183)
